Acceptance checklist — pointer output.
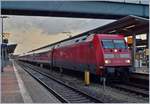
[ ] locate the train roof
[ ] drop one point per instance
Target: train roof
(127, 25)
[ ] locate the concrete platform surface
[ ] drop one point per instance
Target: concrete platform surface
(142, 70)
(17, 86)
(10, 92)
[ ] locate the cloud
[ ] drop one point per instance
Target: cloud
(33, 32)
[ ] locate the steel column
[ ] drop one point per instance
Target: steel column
(1, 52)
(148, 43)
(148, 38)
(133, 51)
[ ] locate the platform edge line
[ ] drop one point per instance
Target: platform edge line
(25, 95)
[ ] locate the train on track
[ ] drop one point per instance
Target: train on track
(104, 55)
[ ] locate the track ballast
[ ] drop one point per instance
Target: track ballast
(62, 91)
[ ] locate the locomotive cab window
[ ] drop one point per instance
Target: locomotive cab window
(114, 43)
(120, 44)
(107, 43)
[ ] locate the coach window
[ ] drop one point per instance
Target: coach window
(83, 39)
(77, 41)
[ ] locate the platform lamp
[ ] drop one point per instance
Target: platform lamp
(1, 52)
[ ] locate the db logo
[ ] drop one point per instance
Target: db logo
(117, 55)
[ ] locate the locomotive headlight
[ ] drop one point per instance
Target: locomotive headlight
(107, 61)
(127, 61)
(101, 67)
(115, 50)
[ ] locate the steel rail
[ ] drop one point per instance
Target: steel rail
(131, 89)
(56, 93)
(58, 96)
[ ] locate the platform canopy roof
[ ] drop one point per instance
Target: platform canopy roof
(128, 26)
(11, 48)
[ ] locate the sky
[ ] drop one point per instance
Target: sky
(31, 32)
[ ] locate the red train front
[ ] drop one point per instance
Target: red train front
(113, 56)
(102, 54)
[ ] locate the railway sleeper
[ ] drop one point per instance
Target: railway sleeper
(64, 90)
(80, 99)
(70, 95)
(74, 95)
(134, 90)
(77, 96)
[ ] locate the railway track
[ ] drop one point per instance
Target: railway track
(133, 88)
(140, 80)
(137, 85)
(62, 91)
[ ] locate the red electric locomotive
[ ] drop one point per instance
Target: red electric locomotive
(101, 54)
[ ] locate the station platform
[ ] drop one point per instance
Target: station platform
(17, 86)
(142, 70)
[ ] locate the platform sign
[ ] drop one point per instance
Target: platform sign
(137, 56)
(130, 40)
(147, 51)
